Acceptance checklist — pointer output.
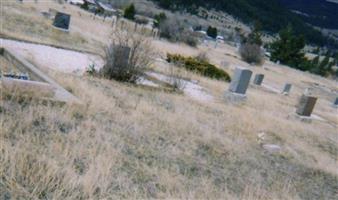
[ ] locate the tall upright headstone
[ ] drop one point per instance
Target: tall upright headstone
(287, 88)
(62, 21)
(240, 81)
(306, 105)
(259, 79)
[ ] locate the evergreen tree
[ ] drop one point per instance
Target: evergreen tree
(130, 12)
(159, 18)
(288, 49)
(255, 37)
(212, 32)
(315, 61)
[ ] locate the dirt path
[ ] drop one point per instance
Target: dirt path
(58, 59)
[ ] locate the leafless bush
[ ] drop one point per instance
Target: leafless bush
(176, 78)
(202, 57)
(175, 30)
(119, 3)
(251, 53)
(121, 66)
(141, 20)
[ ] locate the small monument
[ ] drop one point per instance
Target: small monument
(259, 79)
(239, 85)
(287, 89)
(119, 57)
(240, 81)
(62, 21)
(306, 105)
(335, 103)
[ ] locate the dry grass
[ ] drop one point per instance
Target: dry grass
(132, 143)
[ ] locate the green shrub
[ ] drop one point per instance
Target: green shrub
(201, 67)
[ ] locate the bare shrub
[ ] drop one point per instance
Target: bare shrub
(176, 78)
(202, 57)
(251, 53)
(188, 38)
(120, 3)
(139, 58)
(141, 20)
(174, 30)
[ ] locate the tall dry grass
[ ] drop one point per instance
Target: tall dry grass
(131, 143)
(128, 142)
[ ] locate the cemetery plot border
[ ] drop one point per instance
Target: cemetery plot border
(40, 85)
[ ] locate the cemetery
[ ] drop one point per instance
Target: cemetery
(195, 123)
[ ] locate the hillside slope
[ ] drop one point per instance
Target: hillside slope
(271, 13)
(133, 142)
(320, 13)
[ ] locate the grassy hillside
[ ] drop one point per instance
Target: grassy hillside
(270, 13)
(131, 142)
(320, 13)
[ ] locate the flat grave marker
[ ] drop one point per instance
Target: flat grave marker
(62, 21)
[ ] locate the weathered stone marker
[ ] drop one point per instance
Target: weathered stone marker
(259, 79)
(62, 21)
(336, 102)
(119, 58)
(306, 105)
(240, 81)
(287, 88)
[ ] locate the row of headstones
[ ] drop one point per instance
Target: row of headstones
(241, 81)
(62, 21)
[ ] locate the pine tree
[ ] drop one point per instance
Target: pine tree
(212, 32)
(255, 37)
(130, 12)
(159, 18)
(288, 49)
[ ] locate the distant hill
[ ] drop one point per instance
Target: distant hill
(274, 15)
(320, 13)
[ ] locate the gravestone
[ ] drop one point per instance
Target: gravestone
(287, 88)
(240, 81)
(62, 21)
(306, 105)
(336, 102)
(259, 79)
(119, 58)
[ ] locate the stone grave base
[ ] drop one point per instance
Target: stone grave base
(285, 93)
(27, 88)
(234, 97)
(40, 86)
(306, 119)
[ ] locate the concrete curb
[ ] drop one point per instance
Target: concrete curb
(61, 94)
